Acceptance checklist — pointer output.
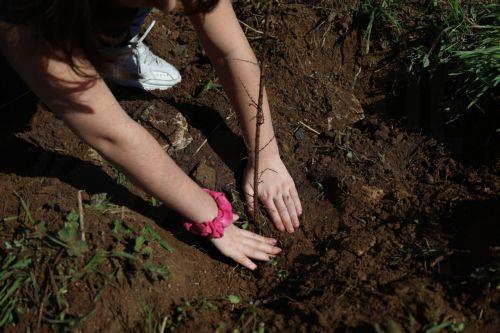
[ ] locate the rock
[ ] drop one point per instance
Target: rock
(359, 243)
(179, 50)
(205, 175)
(300, 134)
(95, 157)
(373, 194)
(180, 138)
(345, 110)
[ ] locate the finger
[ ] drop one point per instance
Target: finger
(255, 236)
(245, 261)
(249, 197)
(273, 213)
(235, 217)
(296, 200)
(256, 245)
(259, 255)
(292, 210)
(283, 212)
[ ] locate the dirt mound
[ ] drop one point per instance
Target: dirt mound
(399, 233)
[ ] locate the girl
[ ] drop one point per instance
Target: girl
(56, 47)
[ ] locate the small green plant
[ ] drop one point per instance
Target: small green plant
(69, 238)
(120, 177)
(139, 244)
(207, 87)
(379, 10)
(233, 299)
(249, 320)
(100, 202)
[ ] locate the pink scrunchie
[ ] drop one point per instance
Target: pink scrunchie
(214, 228)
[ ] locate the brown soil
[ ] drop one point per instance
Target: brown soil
(399, 228)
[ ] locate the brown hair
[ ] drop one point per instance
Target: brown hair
(68, 26)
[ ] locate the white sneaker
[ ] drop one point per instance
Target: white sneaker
(154, 72)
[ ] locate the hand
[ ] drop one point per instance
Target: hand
(241, 245)
(276, 191)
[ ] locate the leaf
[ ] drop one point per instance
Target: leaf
(69, 236)
(139, 241)
(78, 248)
(233, 299)
(156, 269)
(439, 327)
(10, 218)
(72, 217)
(148, 230)
(40, 231)
(22, 264)
(426, 61)
(123, 254)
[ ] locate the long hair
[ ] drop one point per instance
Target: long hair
(68, 26)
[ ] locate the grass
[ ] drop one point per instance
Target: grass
(385, 10)
(469, 44)
(14, 275)
(42, 265)
(465, 41)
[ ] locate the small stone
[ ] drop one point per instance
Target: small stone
(373, 194)
(183, 38)
(180, 138)
(429, 178)
(362, 244)
(345, 110)
(179, 50)
(95, 157)
(205, 175)
(300, 134)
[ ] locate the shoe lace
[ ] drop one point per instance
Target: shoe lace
(147, 56)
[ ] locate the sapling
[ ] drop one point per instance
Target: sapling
(260, 115)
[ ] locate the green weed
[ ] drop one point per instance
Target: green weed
(249, 320)
(63, 259)
(14, 275)
(385, 10)
(120, 177)
(210, 85)
(469, 43)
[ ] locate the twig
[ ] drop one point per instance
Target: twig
(163, 324)
(213, 131)
(260, 118)
(249, 27)
(309, 127)
(80, 214)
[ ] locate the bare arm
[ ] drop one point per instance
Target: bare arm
(236, 65)
(91, 111)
